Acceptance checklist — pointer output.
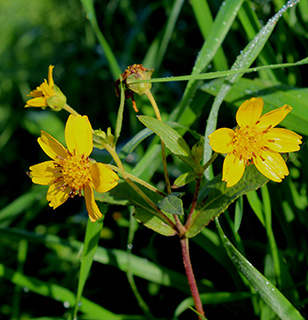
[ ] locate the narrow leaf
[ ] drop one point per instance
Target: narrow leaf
(90, 244)
(268, 293)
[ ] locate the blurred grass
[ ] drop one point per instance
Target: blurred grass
(272, 235)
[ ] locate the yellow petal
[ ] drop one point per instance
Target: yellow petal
(56, 196)
(274, 117)
(283, 140)
(233, 169)
(271, 165)
(103, 178)
(92, 208)
(78, 135)
(50, 78)
(36, 93)
(44, 173)
(47, 90)
(51, 146)
(221, 140)
(249, 112)
(37, 102)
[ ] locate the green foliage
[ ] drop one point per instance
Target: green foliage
(209, 57)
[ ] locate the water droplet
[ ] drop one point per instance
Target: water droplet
(213, 88)
(299, 96)
(273, 289)
(66, 304)
(248, 91)
(130, 246)
(216, 39)
(224, 23)
(26, 289)
(79, 304)
(89, 16)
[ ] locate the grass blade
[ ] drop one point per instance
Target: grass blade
(89, 248)
(268, 292)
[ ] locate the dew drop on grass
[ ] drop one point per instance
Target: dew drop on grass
(66, 304)
(130, 246)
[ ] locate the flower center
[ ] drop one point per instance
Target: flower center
(248, 142)
(75, 171)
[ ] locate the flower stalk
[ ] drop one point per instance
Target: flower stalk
(159, 213)
(163, 149)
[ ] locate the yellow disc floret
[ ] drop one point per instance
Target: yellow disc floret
(248, 141)
(75, 171)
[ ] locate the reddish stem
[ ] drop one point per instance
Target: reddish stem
(191, 278)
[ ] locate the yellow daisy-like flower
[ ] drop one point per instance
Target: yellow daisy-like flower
(255, 141)
(47, 95)
(70, 171)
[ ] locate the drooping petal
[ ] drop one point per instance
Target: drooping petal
(221, 140)
(92, 208)
(37, 102)
(78, 135)
(283, 140)
(44, 173)
(233, 169)
(103, 178)
(50, 78)
(51, 146)
(273, 117)
(249, 112)
(56, 196)
(271, 165)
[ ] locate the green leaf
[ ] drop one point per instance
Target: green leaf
(112, 61)
(90, 244)
(243, 61)
(268, 293)
(172, 139)
(184, 179)
(221, 26)
(215, 198)
(238, 214)
(56, 293)
(172, 204)
(124, 195)
(118, 127)
(274, 94)
(153, 222)
(139, 266)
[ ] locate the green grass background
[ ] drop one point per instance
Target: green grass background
(40, 249)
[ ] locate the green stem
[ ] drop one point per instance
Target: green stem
(70, 110)
(163, 149)
(159, 213)
(191, 278)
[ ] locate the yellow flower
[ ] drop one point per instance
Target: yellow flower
(47, 95)
(255, 141)
(70, 171)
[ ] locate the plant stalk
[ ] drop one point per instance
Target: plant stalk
(159, 213)
(163, 149)
(191, 278)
